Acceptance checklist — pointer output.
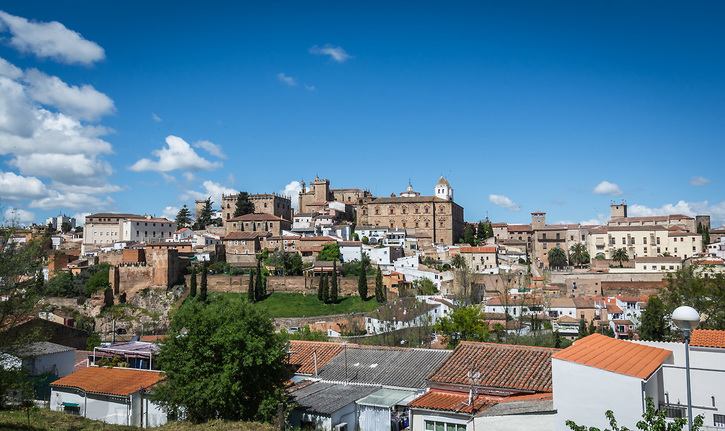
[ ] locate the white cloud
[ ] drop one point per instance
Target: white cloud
(188, 176)
(697, 181)
(607, 188)
(170, 212)
(287, 79)
(81, 217)
(72, 201)
(310, 87)
(177, 155)
(335, 52)
(16, 187)
(71, 169)
(504, 202)
(213, 149)
(293, 190)
(156, 117)
(211, 189)
(691, 209)
(17, 215)
(10, 70)
(84, 102)
(50, 40)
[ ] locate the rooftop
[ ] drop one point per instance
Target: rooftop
(110, 381)
(304, 353)
(327, 398)
(708, 338)
(498, 366)
(617, 356)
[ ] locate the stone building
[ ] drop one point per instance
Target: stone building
(258, 222)
(320, 192)
(437, 216)
(267, 203)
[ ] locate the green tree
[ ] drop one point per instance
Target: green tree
(655, 323)
(380, 295)
(321, 288)
(192, 283)
(557, 258)
(583, 330)
(65, 227)
(205, 214)
(202, 283)
(700, 287)
(652, 420)
(424, 286)
(705, 237)
(305, 334)
(458, 261)
(243, 205)
(365, 240)
(222, 361)
(333, 284)
(330, 252)
(465, 324)
(468, 235)
(251, 297)
(620, 255)
(481, 232)
(183, 217)
(99, 280)
(259, 291)
(578, 255)
(362, 283)
(325, 287)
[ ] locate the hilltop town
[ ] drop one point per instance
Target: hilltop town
(412, 261)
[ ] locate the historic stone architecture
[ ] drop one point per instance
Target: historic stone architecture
(436, 216)
(320, 192)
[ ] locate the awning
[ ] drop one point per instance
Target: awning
(70, 405)
(387, 398)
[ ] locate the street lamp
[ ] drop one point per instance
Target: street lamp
(687, 318)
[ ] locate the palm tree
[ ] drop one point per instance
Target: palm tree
(458, 261)
(620, 255)
(578, 255)
(557, 258)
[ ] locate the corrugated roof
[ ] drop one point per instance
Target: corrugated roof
(110, 381)
(498, 366)
(327, 398)
(39, 348)
(387, 398)
(618, 356)
(708, 338)
(389, 366)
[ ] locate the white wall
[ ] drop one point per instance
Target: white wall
(528, 422)
(583, 394)
(418, 418)
(112, 410)
(62, 363)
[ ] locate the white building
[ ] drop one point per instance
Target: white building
(108, 228)
(57, 222)
(598, 373)
(113, 395)
(351, 250)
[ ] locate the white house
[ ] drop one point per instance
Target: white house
(42, 357)
(374, 234)
(113, 395)
(707, 373)
(598, 373)
(412, 270)
(351, 250)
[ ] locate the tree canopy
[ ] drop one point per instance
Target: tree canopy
(700, 287)
(620, 255)
(330, 252)
(468, 235)
(655, 324)
(243, 205)
(465, 324)
(652, 420)
(183, 217)
(222, 361)
(557, 258)
(578, 255)
(204, 219)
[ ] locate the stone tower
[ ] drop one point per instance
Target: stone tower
(444, 190)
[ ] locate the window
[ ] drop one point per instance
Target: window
(624, 240)
(543, 236)
(719, 420)
(675, 412)
(391, 210)
(645, 250)
(658, 240)
(644, 240)
(544, 246)
(557, 236)
(632, 241)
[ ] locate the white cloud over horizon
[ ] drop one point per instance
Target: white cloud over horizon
(213, 149)
(504, 202)
(211, 189)
(177, 155)
(293, 191)
(84, 102)
(50, 40)
(608, 189)
(17, 187)
(170, 212)
(17, 215)
(336, 53)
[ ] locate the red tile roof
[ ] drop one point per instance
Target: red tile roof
(707, 338)
(500, 366)
(110, 381)
(453, 401)
(617, 356)
(479, 249)
(302, 354)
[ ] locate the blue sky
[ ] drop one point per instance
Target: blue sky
(559, 107)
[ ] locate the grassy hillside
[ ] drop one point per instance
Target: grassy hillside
(44, 419)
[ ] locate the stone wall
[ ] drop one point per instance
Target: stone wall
(111, 257)
(595, 283)
(290, 284)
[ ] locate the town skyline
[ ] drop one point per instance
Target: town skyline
(561, 108)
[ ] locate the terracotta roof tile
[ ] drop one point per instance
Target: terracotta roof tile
(453, 401)
(707, 338)
(500, 366)
(479, 249)
(618, 356)
(111, 381)
(303, 354)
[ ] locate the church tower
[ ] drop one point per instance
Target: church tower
(444, 190)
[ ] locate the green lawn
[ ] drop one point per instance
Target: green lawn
(299, 305)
